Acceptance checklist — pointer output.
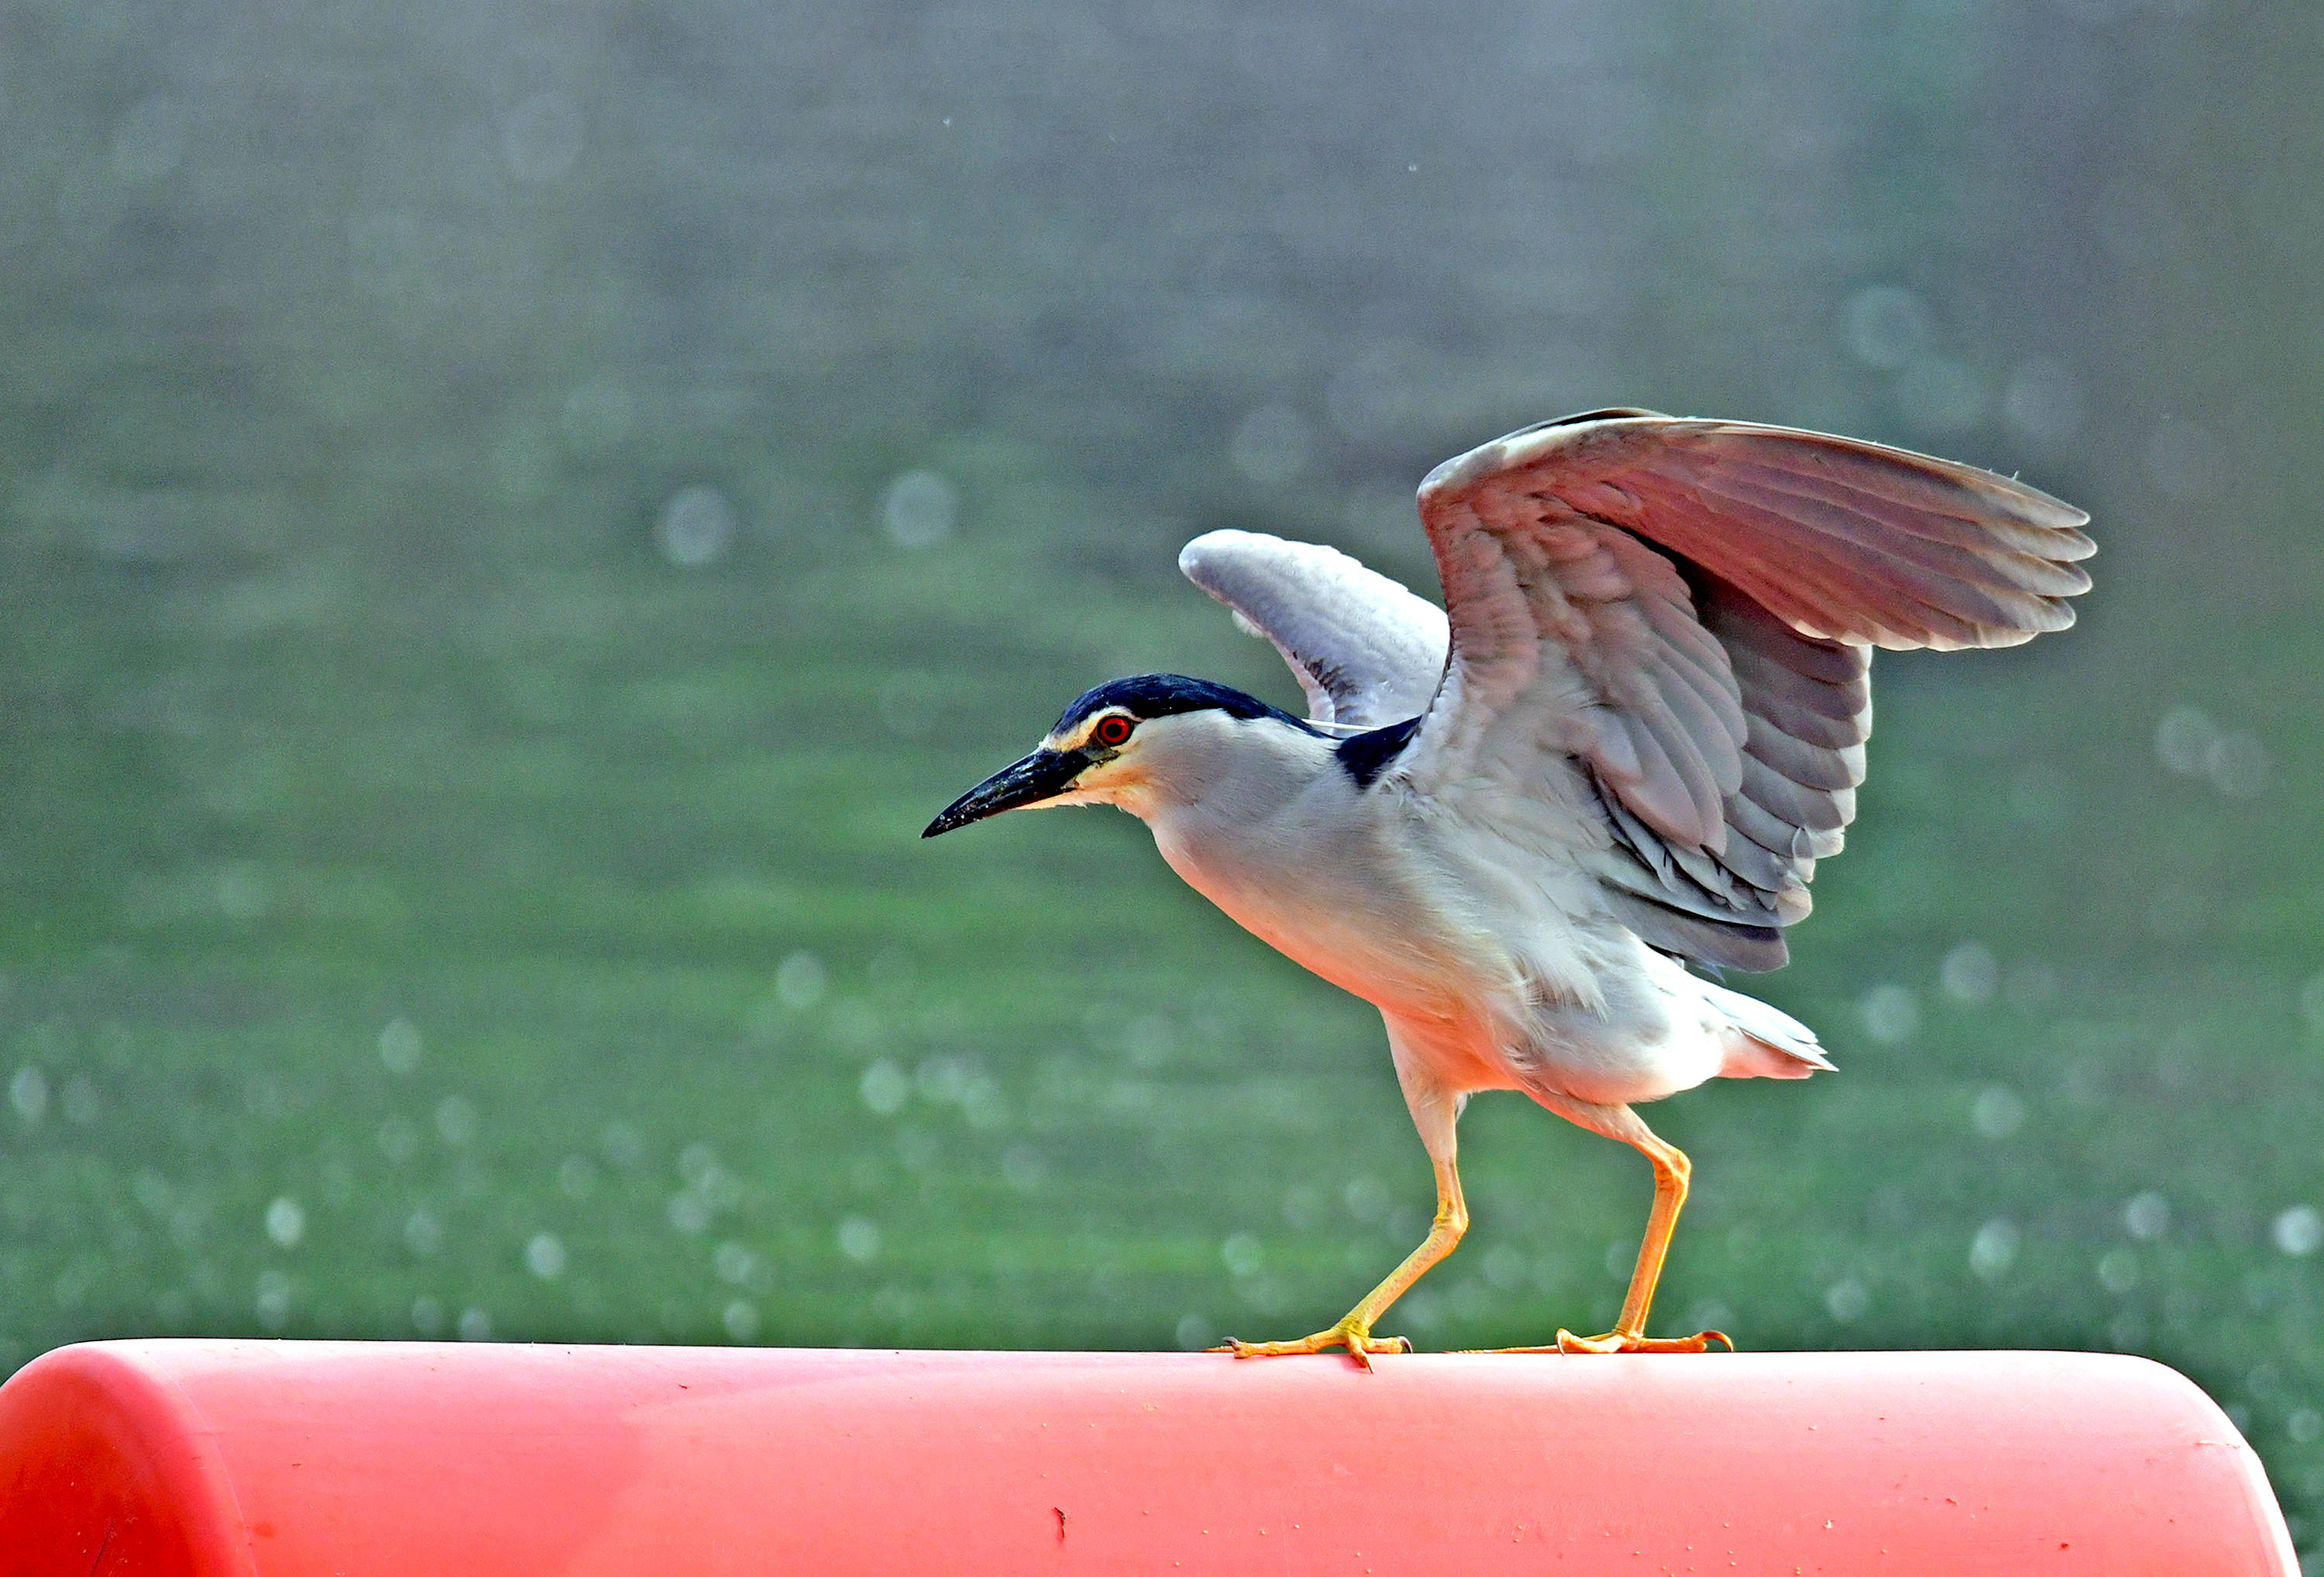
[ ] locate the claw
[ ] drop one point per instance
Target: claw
(1615, 1341)
(1618, 1342)
(1360, 1344)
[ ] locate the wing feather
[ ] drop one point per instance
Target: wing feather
(1815, 810)
(1802, 708)
(1835, 529)
(1809, 766)
(1995, 551)
(1934, 587)
(1366, 651)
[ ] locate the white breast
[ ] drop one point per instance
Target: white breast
(1312, 876)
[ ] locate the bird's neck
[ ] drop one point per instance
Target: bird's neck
(1241, 771)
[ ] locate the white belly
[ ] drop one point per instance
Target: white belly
(1329, 920)
(1620, 1024)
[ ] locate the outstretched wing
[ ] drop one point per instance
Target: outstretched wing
(1367, 651)
(1665, 625)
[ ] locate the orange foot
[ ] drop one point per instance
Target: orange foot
(1357, 1339)
(1618, 1342)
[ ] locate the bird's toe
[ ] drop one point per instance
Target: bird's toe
(1359, 1343)
(1623, 1342)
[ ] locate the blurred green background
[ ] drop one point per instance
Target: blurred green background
(511, 517)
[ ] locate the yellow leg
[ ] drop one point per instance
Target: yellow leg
(1354, 1330)
(1671, 1170)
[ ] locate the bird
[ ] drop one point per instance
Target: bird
(1532, 827)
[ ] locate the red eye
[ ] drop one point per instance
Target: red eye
(1112, 731)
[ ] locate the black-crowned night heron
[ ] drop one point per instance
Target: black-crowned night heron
(1640, 727)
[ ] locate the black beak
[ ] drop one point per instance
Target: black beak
(1043, 775)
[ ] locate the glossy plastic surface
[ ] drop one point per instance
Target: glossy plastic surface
(234, 1459)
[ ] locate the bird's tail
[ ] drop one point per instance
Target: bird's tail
(1763, 1043)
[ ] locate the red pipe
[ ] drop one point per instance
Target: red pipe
(255, 1459)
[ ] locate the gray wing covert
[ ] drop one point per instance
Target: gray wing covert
(1366, 651)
